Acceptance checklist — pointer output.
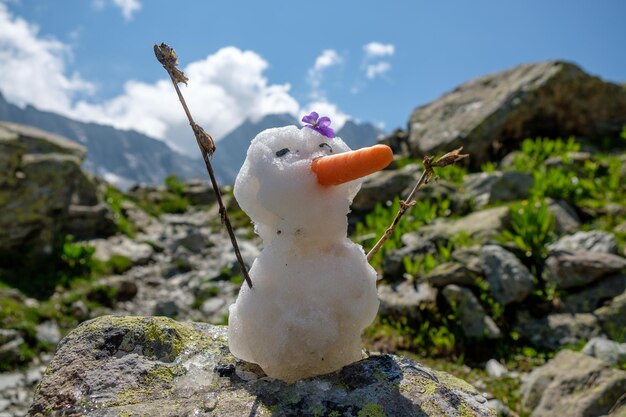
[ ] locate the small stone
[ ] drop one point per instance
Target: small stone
(4, 404)
(492, 187)
(592, 241)
(11, 380)
(573, 384)
(194, 241)
(450, 273)
(166, 308)
(48, 332)
(565, 217)
(556, 330)
(607, 350)
(595, 295)
(495, 369)
(612, 318)
(474, 320)
(509, 280)
(406, 299)
(575, 269)
(212, 305)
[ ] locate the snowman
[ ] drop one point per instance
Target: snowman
(313, 290)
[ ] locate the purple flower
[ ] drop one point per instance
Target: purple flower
(319, 124)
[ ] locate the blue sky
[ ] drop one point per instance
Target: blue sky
(92, 59)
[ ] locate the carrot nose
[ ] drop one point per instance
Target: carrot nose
(343, 167)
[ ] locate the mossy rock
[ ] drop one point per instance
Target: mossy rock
(154, 366)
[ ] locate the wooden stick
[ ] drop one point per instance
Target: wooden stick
(167, 57)
(405, 205)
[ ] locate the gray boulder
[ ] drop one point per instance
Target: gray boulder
(199, 192)
(490, 115)
(475, 321)
(41, 187)
(406, 299)
(574, 269)
(556, 330)
(566, 219)
(573, 385)
(592, 241)
(480, 224)
(450, 273)
(138, 253)
(384, 186)
(612, 318)
(607, 350)
(594, 296)
(115, 366)
(509, 280)
(492, 187)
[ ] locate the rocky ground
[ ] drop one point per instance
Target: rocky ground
(510, 275)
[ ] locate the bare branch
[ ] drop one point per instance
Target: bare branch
(167, 57)
(425, 178)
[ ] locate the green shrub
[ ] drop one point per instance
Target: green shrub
(376, 222)
(114, 199)
(38, 276)
(174, 203)
(531, 228)
(174, 184)
(534, 152)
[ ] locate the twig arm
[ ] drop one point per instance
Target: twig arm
(427, 175)
(167, 57)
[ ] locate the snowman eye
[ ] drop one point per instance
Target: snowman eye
(326, 144)
(282, 152)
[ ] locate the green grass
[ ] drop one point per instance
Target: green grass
(114, 199)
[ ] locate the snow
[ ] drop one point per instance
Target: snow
(313, 289)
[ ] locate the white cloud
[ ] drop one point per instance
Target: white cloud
(377, 49)
(33, 68)
(327, 59)
(375, 70)
(225, 89)
(127, 7)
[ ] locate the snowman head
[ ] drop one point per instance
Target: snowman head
(278, 188)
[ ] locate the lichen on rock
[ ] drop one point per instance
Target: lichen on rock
(148, 366)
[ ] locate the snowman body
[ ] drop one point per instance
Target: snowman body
(313, 290)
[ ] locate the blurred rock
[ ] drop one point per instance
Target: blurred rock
(556, 330)
(48, 332)
(166, 308)
(491, 115)
(573, 385)
(194, 240)
(612, 318)
(493, 187)
(474, 320)
(406, 299)
(607, 350)
(484, 223)
(565, 217)
(450, 273)
(495, 369)
(384, 186)
(575, 269)
(594, 296)
(398, 141)
(43, 187)
(199, 192)
(592, 241)
(509, 280)
(120, 245)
